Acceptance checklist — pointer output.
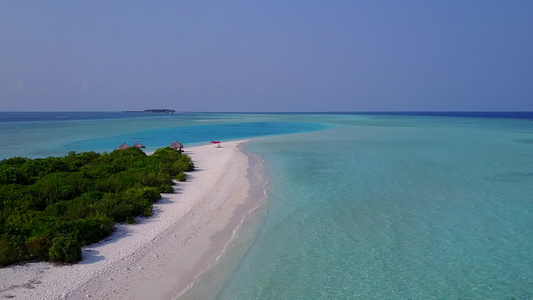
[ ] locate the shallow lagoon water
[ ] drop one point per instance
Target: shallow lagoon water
(37, 135)
(395, 207)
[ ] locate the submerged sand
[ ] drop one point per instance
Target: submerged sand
(159, 257)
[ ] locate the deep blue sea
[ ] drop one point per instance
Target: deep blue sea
(360, 206)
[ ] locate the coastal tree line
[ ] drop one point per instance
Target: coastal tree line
(51, 207)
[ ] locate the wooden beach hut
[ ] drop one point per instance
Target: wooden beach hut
(139, 145)
(176, 146)
(123, 146)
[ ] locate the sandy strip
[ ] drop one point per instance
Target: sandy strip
(158, 257)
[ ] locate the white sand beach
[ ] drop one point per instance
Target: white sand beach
(158, 257)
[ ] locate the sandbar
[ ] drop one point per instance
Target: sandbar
(159, 257)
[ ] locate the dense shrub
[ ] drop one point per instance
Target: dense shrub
(92, 230)
(76, 161)
(9, 252)
(115, 207)
(12, 175)
(173, 162)
(51, 207)
(181, 177)
(65, 248)
(56, 187)
(38, 247)
(166, 188)
(14, 161)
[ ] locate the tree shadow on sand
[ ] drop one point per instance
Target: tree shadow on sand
(91, 254)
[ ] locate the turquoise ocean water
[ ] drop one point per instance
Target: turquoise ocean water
(359, 206)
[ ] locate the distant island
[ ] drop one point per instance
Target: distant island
(153, 111)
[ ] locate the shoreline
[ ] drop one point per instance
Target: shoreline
(161, 256)
(247, 222)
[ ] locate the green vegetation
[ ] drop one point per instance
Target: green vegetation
(51, 207)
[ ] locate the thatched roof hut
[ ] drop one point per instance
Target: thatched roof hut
(176, 146)
(139, 145)
(123, 146)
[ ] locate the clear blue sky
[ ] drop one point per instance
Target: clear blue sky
(266, 55)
